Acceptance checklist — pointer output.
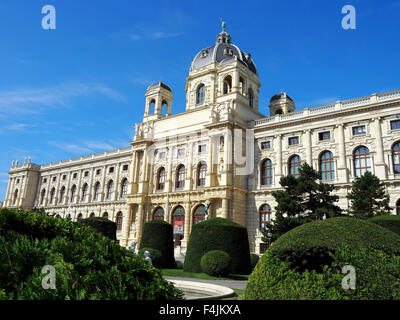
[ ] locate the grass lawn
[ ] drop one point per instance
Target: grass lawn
(182, 274)
(239, 295)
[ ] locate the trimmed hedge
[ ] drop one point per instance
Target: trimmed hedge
(216, 263)
(107, 227)
(157, 234)
(377, 278)
(390, 222)
(87, 264)
(218, 234)
(155, 256)
(311, 245)
(253, 260)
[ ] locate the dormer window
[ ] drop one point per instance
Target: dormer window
(204, 53)
(228, 51)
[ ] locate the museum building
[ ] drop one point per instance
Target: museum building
(222, 152)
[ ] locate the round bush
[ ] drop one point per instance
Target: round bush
(253, 260)
(218, 234)
(157, 234)
(390, 222)
(311, 245)
(216, 263)
(87, 264)
(107, 227)
(155, 256)
(377, 278)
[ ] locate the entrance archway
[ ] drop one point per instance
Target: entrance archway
(199, 214)
(158, 214)
(178, 224)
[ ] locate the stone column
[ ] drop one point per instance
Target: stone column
(67, 191)
(342, 171)
(225, 208)
(10, 191)
(117, 184)
(133, 173)
(188, 170)
(227, 174)
(139, 222)
(126, 225)
(308, 145)
(278, 167)
(169, 182)
(187, 225)
(380, 166)
(210, 163)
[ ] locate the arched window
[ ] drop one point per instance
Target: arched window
(398, 207)
(42, 196)
(96, 191)
(227, 85)
(164, 108)
(73, 191)
(161, 179)
(62, 194)
(201, 174)
(85, 191)
(180, 177)
(199, 214)
(15, 197)
(201, 93)
(265, 216)
(362, 161)
(152, 106)
(327, 165)
(396, 158)
(52, 193)
(124, 187)
(119, 221)
(178, 224)
(251, 98)
(79, 217)
(110, 189)
(92, 215)
(105, 215)
(266, 172)
(158, 214)
(294, 165)
(241, 85)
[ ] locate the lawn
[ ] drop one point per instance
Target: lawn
(182, 274)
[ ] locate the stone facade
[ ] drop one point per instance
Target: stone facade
(217, 152)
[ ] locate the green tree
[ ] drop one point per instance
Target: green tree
(303, 199)
(368, 197)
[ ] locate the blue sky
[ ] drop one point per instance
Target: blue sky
(80, 89)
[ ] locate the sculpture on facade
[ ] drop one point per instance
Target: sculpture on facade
(132, 247)
(207, 207)
(147, 257)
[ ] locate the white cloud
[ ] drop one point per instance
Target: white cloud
(17, 127)
(86, 147)
(156, 35)
(33, 101)
(318, 102)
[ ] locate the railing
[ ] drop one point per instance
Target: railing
(339, 105)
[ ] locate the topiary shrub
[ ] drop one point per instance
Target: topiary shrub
(377, 278)
(157, 234)
(87, 264)
(155, 255)
(216, 263)
(107, 227)
(311, 245)
(218, 234)
(253, 260)
(390, 222)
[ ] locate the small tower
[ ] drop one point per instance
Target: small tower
(281, 104)
(158, 101)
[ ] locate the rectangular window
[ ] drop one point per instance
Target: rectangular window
(202, 148)
(44, 180)
(111, 170)
(98, 171)
(125, 167)
(265, 145)
(360, 130)
(74, 175)
(395, 124)
(293, 141)
(64, 177)
(86, 173)
(324, 136)
(17, 180)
